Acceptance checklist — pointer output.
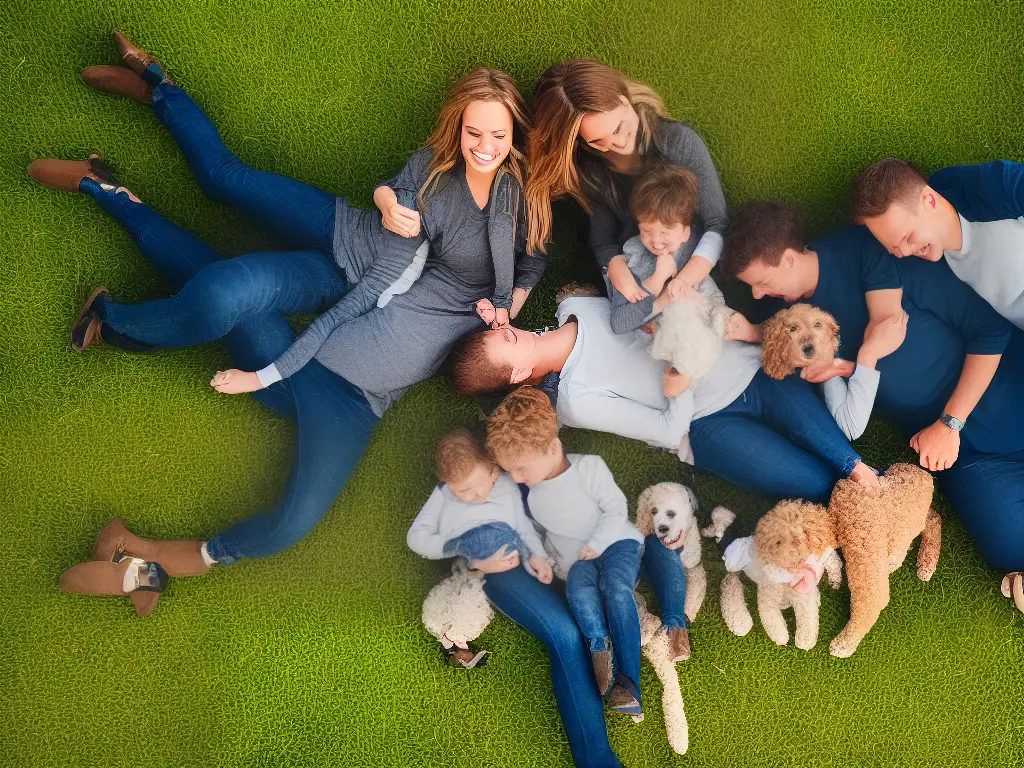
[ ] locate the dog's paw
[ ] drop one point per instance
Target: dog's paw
(842, 648)
(740, 625)
(805, 642)
(637, 718)
(779, 638)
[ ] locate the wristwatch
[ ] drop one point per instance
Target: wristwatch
(952, 422)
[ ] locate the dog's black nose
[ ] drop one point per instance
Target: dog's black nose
(808, 350)
(662, 530)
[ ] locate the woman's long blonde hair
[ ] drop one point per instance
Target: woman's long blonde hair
(560, 163)
(482, 84)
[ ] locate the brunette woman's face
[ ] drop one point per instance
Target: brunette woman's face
(612, 131)
(486, 135)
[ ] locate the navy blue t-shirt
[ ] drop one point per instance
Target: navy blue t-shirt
(947, 321)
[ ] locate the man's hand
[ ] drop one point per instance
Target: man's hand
(741, 329)
(542, 569)
(486, 310)
(499, 562)
(587, 554)
(624, 282)
(821, 372)
(937, 445)
(500, 319)
(235, 382)
(679, 290)
(674, 383)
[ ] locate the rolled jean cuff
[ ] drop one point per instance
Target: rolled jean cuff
(848, 464)
(216, 549)
(597, 644)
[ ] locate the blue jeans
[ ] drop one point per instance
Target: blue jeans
(987, 492)
(544, 613)
(667, 575)
(600, 594)
(334, 420)
(777, 439)
(483, 541)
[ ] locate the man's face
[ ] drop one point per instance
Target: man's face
(530, 470)
(784, 281)
(515, 347)
(911, 230)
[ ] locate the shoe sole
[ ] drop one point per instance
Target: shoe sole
(83, 313)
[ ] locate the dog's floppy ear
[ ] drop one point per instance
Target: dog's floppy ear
(817, 527)
(776, 346)
(694, 503)
(644, 519)
(833, 330)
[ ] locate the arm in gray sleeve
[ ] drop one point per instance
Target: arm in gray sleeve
(613, 524)
(501, 234)
(850, 403)
(381, 275)
(627, 316)
(686, 148)
(529, 270)
(412, 175)
(424, 537)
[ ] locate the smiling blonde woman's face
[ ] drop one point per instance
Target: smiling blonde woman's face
(486, 136)
(612, 131)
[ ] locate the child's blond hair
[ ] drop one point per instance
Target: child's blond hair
(524, 424)
(457, 454)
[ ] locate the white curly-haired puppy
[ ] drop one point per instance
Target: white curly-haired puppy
(689, 332)
(669, 510)
(456, 611)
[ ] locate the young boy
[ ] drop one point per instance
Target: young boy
(587, 531)
(662, 203)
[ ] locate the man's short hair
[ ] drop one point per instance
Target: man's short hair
(457, 454)
(473, 372)
(761, 231)
(666, 193)
(523, 424)
(878, 186)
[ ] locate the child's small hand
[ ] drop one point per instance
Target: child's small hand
(666, 265)
(679, 289)
(500, 319)
(541, 568)
(587, 554)
(235, 382)
(486, 310)
(624, 282)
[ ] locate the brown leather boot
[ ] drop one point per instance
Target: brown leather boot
(621, 698)
(602, 661)
(68, 174)
(107, 578)
(85, 331)
(118, 81)
(134, 57)
(179, 557)
(678, 644)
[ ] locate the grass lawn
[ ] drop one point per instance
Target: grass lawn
(316, 657)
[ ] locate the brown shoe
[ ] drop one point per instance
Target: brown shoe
(68, 174)
(179, 557)
(85, 331)
(134, 57)
(602, 661)
(118, 81)
(467, 658)
(678, 644)
(620, 699)
(107, 578)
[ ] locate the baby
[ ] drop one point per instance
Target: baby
(585, 521)
(475, 512)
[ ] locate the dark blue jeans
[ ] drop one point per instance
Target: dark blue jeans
(665, 571)
(334, 420)
(600, 594)
(987, 492)
(483, 541)
(544, 613)
(777, 439)
(216, 297)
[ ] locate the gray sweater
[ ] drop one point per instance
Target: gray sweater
(610, 382)
(611, 225)
(582, 507)
(471, 256)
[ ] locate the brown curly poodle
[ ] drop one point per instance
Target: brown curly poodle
(796, 338)
(874, 530)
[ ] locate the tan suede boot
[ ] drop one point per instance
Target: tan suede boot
(118, 81)
(602, 661)
(678, 644)
(107, 578)
(179, 557)
(134, 57)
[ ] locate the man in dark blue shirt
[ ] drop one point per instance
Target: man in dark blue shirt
(954, 386)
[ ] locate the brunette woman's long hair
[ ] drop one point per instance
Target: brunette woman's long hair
(482, 84)
(560, 163)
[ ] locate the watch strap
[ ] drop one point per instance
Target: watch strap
(952, 422)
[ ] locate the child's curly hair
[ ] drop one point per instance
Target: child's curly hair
(523, 424)
(457, 454)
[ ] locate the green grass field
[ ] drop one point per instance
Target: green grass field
(316, 657)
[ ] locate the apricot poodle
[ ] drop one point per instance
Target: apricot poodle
(797, 337)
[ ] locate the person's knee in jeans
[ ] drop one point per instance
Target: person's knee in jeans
(483, 541)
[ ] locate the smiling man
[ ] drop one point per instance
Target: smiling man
(953, 386)
(971, 215)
